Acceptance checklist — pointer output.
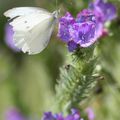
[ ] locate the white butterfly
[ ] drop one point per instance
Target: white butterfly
(32, 27)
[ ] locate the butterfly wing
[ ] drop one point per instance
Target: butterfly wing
(39, 37)
(32, 32)
(22, 11)
(32, 28)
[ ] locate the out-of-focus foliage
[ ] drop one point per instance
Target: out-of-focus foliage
(27, 82)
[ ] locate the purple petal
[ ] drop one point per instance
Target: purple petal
(90, 113)
(110, 11)
(69, 117)
(76, 114)
(99, 30)
(84, 33)
(67, 19)
(103, 10)
(85, 16)
(65, 23)
(58, 117)
(72, 46)
(99, 3)
(48, 116)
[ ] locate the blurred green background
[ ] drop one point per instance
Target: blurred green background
(28, 82)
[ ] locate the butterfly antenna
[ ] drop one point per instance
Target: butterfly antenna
(56, 2)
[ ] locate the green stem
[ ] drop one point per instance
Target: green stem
(77, 79)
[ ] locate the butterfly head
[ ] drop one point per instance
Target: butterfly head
(56, 13)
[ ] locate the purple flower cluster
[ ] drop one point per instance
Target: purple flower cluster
(88, 25)
(79, 31)
(73, 116)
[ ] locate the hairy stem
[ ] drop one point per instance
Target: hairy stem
(77, 79)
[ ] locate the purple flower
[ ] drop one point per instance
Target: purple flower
(90, 113)
(78, 32)
(64, 26)
(83, 33)
(103, 10)
(85, 16)
(88, 26)
(9, 38)
(48, 116)
(73, 116)
(13, 114)
(72, 46)
(58, 116)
